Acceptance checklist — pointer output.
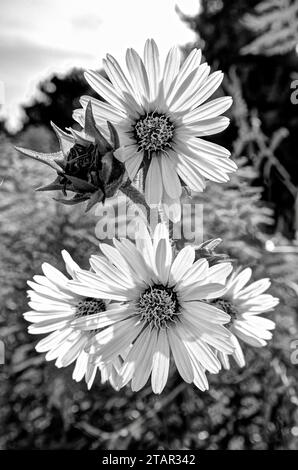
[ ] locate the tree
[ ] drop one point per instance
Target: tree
(57, 98)
(231, 41)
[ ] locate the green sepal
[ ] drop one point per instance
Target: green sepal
(96, 197)
(50, 159)
(80, 185)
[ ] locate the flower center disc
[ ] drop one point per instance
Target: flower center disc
(158, 306)
(89, 306)
(227, 307)
(154, 132)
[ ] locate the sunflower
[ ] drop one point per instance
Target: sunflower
(244, 303)
(56, 310)
(162, 116)
(164, 311)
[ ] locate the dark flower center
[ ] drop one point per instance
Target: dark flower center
(228, 307)
(158, 306)
(154, 132)
(89, 306)
(80, 159)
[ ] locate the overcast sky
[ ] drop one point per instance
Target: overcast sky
(39, 37)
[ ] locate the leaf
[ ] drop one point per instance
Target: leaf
(50, 187)
(49, 159)
(70, 202)
(81, 185)
(107, 166)
(66, 141)
(94, 199)
(92, 130)
(114, 135)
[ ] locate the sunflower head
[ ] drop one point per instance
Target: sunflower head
(85, 164)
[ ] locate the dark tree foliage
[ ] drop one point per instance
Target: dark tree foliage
(224, 34)
(57, 97)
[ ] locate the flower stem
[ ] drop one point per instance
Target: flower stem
(137, 197)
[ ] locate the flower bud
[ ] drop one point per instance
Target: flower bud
(85, 164)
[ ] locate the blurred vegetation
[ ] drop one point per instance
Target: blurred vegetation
(254, 43)
(55, 100)
(252, 408)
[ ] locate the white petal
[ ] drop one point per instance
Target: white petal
(181, 92)
(197, 272)
(71, 266)
(101, 319)
(171, 68)
(259, 322)
(136, 353)
(171, 208)
(163, 261)
(144, 363)
(51, 307)
(88, 285)
(180, 354)
(109, 342)
(255, 289)
(151, 60)
(200, 350)
(109, 273)
(207, 127)
(135, 260)
(247, 336)
(183, 102)
(104, 111)
(219, 272)
(212, 149)
(199, 292)
(55, 276)
(206, 312)
(115, 257)
(238, 353)
(48, 326)
(170, 178)
(215, 169)
(105, 89)
(51, 294)
(133, 164)
(71, 355)
(138, 75)
(52, 340)
(182, 263)
(160, 363)
(238, 281)
(153, 184)
(209, 110)
(224, 359)
(117, 76)
(41, 317)
(144, 245)
(126, 152)
(208, 88)
(80, 367)
(190, 174)
(186, 75)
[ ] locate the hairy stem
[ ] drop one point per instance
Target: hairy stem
(137, 197)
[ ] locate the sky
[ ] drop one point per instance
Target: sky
(41, 37)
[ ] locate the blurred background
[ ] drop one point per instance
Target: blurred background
(44, 47)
